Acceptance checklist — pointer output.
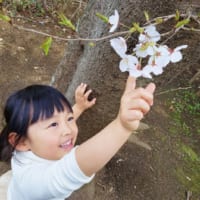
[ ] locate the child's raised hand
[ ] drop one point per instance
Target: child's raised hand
(135, 103)
(81, 97)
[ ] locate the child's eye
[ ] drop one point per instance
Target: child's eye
(70, 119)
(53, 124)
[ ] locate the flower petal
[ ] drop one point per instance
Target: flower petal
(180, 47)
(119, 45)
(123, 65)
(142, 38)
(132, 61)
(140, 52)
(135, 73)
(176, 56)
(157, 70)
(162, 61)
(114, 20)
(152, 33)
(146, 71)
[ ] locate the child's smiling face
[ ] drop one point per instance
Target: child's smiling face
(54, 137)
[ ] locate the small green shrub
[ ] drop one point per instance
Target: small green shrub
(189, 175)
(185, 107)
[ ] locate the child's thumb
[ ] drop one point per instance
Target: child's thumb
(151, 87)
(130, 84)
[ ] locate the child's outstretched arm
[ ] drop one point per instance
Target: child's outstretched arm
(81, 100)
(93, 154)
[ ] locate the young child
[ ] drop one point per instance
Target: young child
(41, 129)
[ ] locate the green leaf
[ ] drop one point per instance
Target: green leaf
(102, 17)
(146, 45)
(146, 14)
(159, 20)
(177, 16)
(46, 45)
(132, 30)
(138, 28)
(182, 23)
(91, 44)
(66, 22)
(5, 18)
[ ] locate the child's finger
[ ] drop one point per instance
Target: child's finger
(140, 93)
(130, 84)
(93, 101)
(87, 93)
(139, 104)
(81, 89)
(151, 87)
(135, 115)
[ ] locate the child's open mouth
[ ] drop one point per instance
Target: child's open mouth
(67, 145)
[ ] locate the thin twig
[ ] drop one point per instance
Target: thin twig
(71, 39)
(164, 19)
(191, 29)
(188, 195)
(76, 11)
(171, 36)
(173, 90)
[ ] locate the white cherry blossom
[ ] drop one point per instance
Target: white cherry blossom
(153, 68)
(134, 72)
(143, 50)
(161, 56)
(119, 45)
(175, 54)
(157, 56)
(128, 62)
(150, 34)
(114, 21)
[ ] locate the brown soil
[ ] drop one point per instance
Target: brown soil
(135, 172)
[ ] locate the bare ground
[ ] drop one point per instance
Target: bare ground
(135, 172)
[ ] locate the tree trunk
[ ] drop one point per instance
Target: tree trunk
(98, 66)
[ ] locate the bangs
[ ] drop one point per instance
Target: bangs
(44, 103)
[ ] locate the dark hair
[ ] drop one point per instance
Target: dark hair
(26, 107)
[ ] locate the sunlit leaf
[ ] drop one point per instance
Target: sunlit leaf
(146, 14)
(5, 18)
(146, 45)
(159, 20)
(102, 17)
(132, 30)
(91, 44)
(138, 28)
(177, 16)
(46, 45)
(182, 23)
(66, 22)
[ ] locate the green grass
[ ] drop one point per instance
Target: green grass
(189, 173)
(185, 113)
(185, 121)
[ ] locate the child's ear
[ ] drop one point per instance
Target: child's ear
(22, 145)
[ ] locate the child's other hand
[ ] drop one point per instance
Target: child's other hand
(81, 97)
(135, 103)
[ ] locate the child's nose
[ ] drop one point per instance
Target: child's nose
(66, 129)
